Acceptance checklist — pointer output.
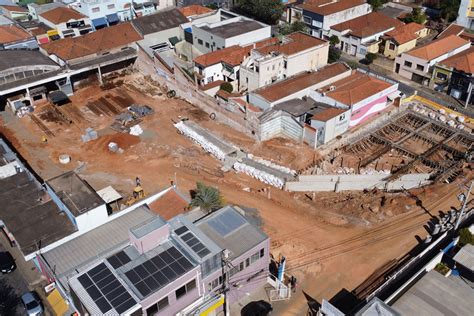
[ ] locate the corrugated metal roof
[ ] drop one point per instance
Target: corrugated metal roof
(465, 257)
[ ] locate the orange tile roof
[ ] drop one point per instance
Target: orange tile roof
(170, 204)
(298, 42)
(355, 88)
(62, 15)
(327, 7)
(99, 41)
(233, 55)
(300, 82)
(12, 33)
(463, 61)
(367, 25)
(327, 114)
(438, 47)
(14, 8)
(452, 29)
(405, 33)
(194, 9)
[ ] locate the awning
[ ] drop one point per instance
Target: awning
(99, 23)
(109, 194)
(113, 18)
(392, 96)
(58, 304)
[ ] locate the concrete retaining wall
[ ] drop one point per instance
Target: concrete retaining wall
(356, 182)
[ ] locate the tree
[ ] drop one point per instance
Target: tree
(297, 26)
(8, 299)
(207, 198)
(334, 54)
(465, 237)
(416, 16)
(370, 57)
(227, 86)
(334, 40)
(449, 9)
(377, 4)
(267, 11)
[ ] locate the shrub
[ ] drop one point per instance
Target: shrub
(370, 57)
(334, 40)
(226, 86)
(465, 237)
(334, 54)
(442, 268)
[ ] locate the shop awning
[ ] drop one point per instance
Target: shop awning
(113, 18)
(99, 23)
(58, 304)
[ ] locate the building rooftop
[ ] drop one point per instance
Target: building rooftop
(194, 9)
(300, 82)
(233, 55)
(230, 230)
(28, 212)
(328, 7)
(75, 193)
(93, 43)
(233, 29)
(392, 12)
(62, 14)
(324, 114)
(452, 29)
(295, 107)
(101, 242)
(40, 8)
(367, 25)
(355, 88)
(170, 204)
(405, 33)
(435, 294)
(12, 33)
(377, 307)
(438, 47)
(463, 61)
(21, 58)
(293, 44)
(465, 257)
(160, 21)
(13, 8)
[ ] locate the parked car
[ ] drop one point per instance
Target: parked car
(257, 308)
(32, 304)
(7, 263)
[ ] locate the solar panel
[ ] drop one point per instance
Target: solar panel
(119, 259)
(195, 244)
(158, 271)
(105, 290)
(181, 230)
(226, 222)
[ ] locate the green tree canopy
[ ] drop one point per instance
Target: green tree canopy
(227, 86)
(449, 9)
(267, 11)
(334, 40)
(376, 4)
(416, 16)
(297, 26)
(208, 198)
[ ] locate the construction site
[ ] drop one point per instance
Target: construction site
(132, 127)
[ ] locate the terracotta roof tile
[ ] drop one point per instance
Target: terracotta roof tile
(170, 204)
(438, 47)
(327, 114)
(452, 29)
(327, 7)
(405, 33)
(463, 61)
(194, 9)
(300, 82)
(62, 15)
(14, 8)
(355, 88)
(298, 42)
(99, 41)
(233, 55)
(12, 33)
(367, 25)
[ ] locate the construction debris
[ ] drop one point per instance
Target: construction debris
(136, 130)
(89, 135)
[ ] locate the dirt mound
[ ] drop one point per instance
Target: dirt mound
(124, 141)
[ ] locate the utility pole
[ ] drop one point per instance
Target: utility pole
(225, 279)
(463, 209)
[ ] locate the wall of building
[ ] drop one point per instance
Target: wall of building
(399, 49)
(281, 124)
(123, 8)
(151, 240)
(332, 128)
(310, 59)
(210, 74)
(250, 37)
(365, 109)
(93, 218)
(464, 18)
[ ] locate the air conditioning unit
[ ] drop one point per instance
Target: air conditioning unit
(332, 88)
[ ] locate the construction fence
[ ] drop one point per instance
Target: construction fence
(356, 182)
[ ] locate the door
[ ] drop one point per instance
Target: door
(397, 67)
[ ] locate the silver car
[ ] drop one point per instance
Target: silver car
(32, 304)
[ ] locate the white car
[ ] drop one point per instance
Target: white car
(32, 304)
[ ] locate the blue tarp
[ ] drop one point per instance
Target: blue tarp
(188, 29)
(113, 18)
(99, 23)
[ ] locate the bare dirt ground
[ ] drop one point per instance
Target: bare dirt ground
(334, 241)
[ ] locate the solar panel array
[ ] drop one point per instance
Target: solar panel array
(105, 290)
(226, 222)
(119, 259)
(159, 271)
(191, 240)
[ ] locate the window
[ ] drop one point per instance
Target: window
(307, 19)
(273, 67)
(247, 262)
(111, 6)
(207, 45)
(408, 64)
(191, 285)
(420, 67)
(254, 257)
(200, 41)
(163, 303)
(152, 310)
(96, 9)
(185, 289)
(262, 252)
(342, 117)
(317, 24)
(441, 76)
(210, 79)
(158, 307)
(391, 46)
(285, 64)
